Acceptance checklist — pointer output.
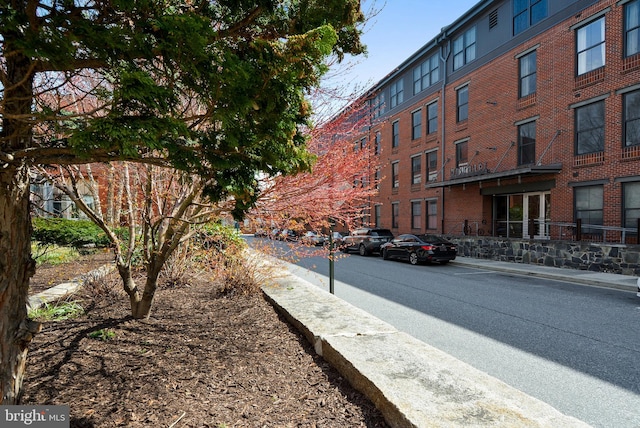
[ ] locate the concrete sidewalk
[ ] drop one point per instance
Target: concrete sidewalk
(410, 382)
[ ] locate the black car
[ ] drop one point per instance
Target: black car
(365, 240)
(420, 249)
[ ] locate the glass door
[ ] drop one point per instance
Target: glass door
(536, 207)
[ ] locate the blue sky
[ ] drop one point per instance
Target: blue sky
(400, 29)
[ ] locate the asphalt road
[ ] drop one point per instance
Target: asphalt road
(574, 347)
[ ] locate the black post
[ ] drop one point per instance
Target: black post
(532, 225)
(331, 272)
(579, 229)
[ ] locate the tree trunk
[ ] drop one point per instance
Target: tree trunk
(16, 267)
(141, 301)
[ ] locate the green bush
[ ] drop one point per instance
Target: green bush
(70, 233)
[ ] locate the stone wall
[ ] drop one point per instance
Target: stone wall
(613, 258)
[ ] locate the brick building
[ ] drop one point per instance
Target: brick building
(517, 120)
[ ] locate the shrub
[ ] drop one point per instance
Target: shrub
(65, 232)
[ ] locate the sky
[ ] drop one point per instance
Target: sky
(398, 30)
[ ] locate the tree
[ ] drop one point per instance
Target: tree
(213, 87)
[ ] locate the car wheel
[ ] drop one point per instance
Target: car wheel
(362, 250)
(385, 254)
(413, 258)
(345, 249)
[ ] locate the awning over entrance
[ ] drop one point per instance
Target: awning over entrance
(524, 171)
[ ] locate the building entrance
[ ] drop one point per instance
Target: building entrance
(511, 215)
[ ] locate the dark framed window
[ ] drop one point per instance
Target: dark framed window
(395, 213)
(416, 124)
(632, 119)
(416, 214)
(395, 134)
(527, 143)
(377, 177)
(378, 105)
(416, 169)
(395, 179)
(528, 74)
(590, 44)
(462, 106)
(589, 128)
(464, 48)
(432, 165)
(462, 153)
(432, 118)
(527, 13)
(426, 74)
(397, 93)
(632, 28)
(589, 207)
(432, 214)
(631, 203)
(377, 215)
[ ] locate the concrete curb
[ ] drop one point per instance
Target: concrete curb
(66, 289)
(410, 382)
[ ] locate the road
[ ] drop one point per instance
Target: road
(572, 346)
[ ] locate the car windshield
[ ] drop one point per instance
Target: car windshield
(381, 233)
(433, 239)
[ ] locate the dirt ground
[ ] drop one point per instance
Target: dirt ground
(201, 360)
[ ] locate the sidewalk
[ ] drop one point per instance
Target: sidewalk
(412, 383)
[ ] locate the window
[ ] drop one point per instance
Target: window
(589, 206)
(378, 105)
(591, 47)
(464, 48)
(527, 13)
(632, 119)
(632, 28)
(528, 71)
(395, 181)
(527, 143)
(432, 165)
(432, 118)
(377, 177)
(377, 215)
(462, 153)
(590, 128)
(416, 214)
(416, 124)
(463, 104)
(631, 203)
(416, 169)
(395, 213)
(378, 142)
(397, 93)
(426, 74)
(395, 134)
(432, 214)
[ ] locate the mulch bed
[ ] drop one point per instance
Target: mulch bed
(201, 360)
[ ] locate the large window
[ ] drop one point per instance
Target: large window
(464, 48)
(416, 214)
(378, 105)
(589, 206)
(632, 119)
(416, 124)
(590, 128)
(432, 165)
(426, 74)
(528, 72)
(632, 28)
(395, 134)
(377, 215)
(462, 105)
(462, 156)
(527, 143)
(378, 143)
(432, 117)
(590, 45)
(395, 180)
(397, 93)
(527, 13)
(416, 169)
(432, 214)
(631, 203)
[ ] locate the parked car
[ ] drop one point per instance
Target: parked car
(366, 241)
(287, 235)
(275, 233)
(420, 249)
(260, 233)
(313, 238)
